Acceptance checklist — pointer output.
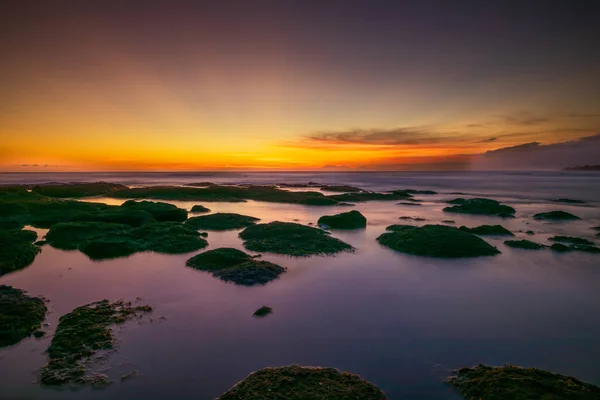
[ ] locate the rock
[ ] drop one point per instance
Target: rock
(17, 250)
(348, 220)
(569, 201)
(494, 230)
(555, 216)
(572, 240)
(341, 188)
(560, 247)
(418, 219)
(480, 206)
(221, 221)
(516, 383)
(368, 196)
(435, 241)
(20, 315)
(449, 221)
(524, 244)
(263, 311)
(232, 265)
(39, 334)
(79, 335)
(302, 383)
(291, 239)
(199, 209)
(404, 203)
(530, 232)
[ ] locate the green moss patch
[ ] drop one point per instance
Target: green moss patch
(524, 244)
(516, 383)
(302, 383)
(199, 209)
(494, 230)
(232, 265)
(72, 190)
(263, 311)
(480, 206)
(21, 315)
(160, 211)
(555, 216)
(572, 240)
(435, 241)
(221, 221)
(17, 250)
(348, 220)
(79, 335)
(291, 239)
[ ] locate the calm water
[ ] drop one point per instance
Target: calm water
(399, 321)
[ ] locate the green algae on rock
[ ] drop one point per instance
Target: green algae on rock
(17, 250)
(263, 311)
(160, 211)
(517, 383)
(524, 244)
(79, 335)
(572, 240)
(291, 239)
(21, 315)
(495, 230)
(233, 265)
(301, 383)
(555, 216)
(435, 241)
(222, 221)
(348, 220)
(199, 209)
(480, 206)
(72, 190)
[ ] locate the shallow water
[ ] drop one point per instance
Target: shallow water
(399, 321)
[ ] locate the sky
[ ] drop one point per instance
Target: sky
(295, 85)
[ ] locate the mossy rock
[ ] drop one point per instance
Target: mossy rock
(170, 237)
(160, 211)
(368, 196)
(222, 221)
(233, 265)
(480, 206)
(108, 247)
(302, 383)
(405, 203)
(494, 230)
(524, 244)
(555, 216)
(117, 215)
(263, 311)
(341, 188)
(73, 190)
(71, 235)
(291, 239)
(416, 219)
(517, 383)
(80, 334)
(426, 192)
(348, 220)
(21, 315)
(199, 209)
(561, 248)
(435, 241)
(572, 240)
(569, 201)
(17, 250)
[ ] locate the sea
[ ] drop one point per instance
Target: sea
(400, 321)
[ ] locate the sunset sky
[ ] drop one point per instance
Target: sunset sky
(215, 85)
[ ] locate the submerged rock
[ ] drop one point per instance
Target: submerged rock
(517, 383)
(348, 220)
(291, 239)
(303, 383)
(21, 315)
(555, 216)
(524, 244)
(263, 311)
(435, 241)
(572, 240)
(480, 206)
(160, 211)
(199, 209)
(232, 265)
(17, 250)
(79, 335)
(497, 230)
(222, 221)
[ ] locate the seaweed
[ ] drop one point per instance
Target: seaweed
(301, 383)
(517, 383)
(160, 211)
(221, 221)
(555, 216)
(79, 335)
(348, 220)
(17, 250)
(232, 265)
(524, 244)
(480, 206)
(495, 230)
(435, 241)
(21, 315)
(291, 239)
